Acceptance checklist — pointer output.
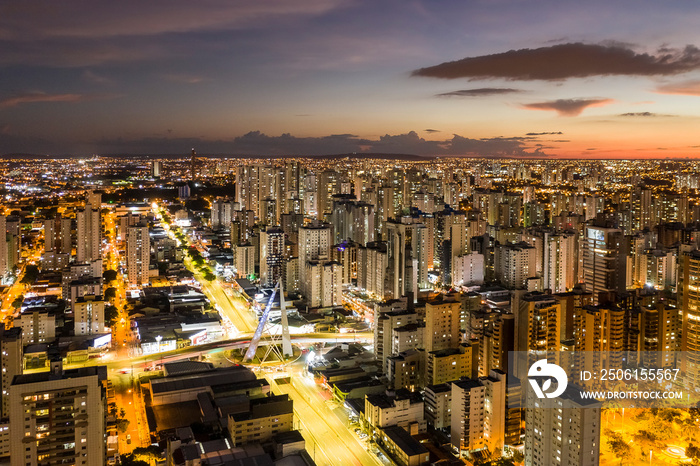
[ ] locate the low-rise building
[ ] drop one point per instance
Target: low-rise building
(404, 409)
(266, 418)
(403, 448)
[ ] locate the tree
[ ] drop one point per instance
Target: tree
(17, 303)
(122, 413)
(111, 314)
(208, 276)
(31, 272)
(122, 425)
(148, 454)
(197, 204)
(692, 452)
(110, 293)
(109, 275)
(518, 457)
(503, 462)
(130, 460)
(619, 447)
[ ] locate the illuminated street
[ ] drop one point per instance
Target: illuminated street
(332, 441)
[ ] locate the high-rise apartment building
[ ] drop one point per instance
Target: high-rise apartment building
(352, 220)
(58, 417)
(689, 290)
(156, 168)
(602, 260)
(4, 255)
(89, 234)
(315, 242)
(89, 315)
(537, 322)
(567, 434)
(323, 284)
(328, 184)
(57, 235)
(468, 269)
(660, 336)
(442, 329)
(94, 198)
(314, 246)
(254, 183)
(478, 413)
(371, 268)
(138, 253)
(448, 364)
(514, 264)
(384, 328)
(10, 364)
(221, 213)
(244, 255)
(560, 262)
(271, 256)
(38, 326)
(406, 258)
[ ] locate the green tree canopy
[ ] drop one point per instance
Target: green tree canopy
(31, 273)
(110, 293)
(109, 275)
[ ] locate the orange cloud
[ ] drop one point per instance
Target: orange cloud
(39, 97)
(685, 88)
(35, 97)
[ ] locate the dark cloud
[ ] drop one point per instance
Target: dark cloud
(260, 144)
(544, 133)
(68, 34)
(684, 88)
(568, 107)
(105, 18)
(480, 92)
(572, 60)
(430, 130)
(644, 114)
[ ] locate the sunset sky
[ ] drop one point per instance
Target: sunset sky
(494, 78)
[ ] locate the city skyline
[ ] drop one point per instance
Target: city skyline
(508, 79)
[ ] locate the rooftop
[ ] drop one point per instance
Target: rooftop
(404, 441)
